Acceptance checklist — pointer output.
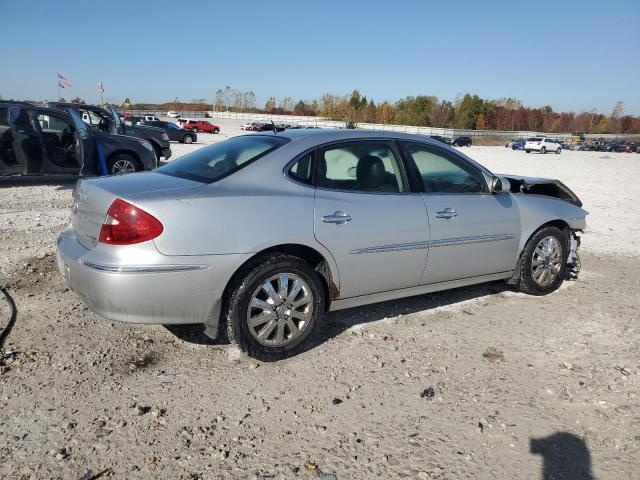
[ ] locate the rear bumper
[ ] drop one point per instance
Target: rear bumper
(160, 290)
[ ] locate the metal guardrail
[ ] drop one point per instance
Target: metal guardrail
(322, 122)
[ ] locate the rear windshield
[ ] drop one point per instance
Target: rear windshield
(534, 139)
(221, 159)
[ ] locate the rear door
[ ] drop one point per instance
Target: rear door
(365, 215)
(9, 160)
(472, 231)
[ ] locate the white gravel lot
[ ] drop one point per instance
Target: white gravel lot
(520, 385)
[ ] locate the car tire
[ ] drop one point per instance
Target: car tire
(528, 151)
(248, 288)
(122, 163)
(558, 150)
(532, 279)
(187, 139)
(543, 150)
(216, 130)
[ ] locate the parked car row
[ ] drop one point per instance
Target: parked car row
(551, 145)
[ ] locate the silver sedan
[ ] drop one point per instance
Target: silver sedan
(259, 235)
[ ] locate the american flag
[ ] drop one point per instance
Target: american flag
(63, 82)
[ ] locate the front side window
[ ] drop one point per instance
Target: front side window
(442, 173)
(364, 166)
(221, 159)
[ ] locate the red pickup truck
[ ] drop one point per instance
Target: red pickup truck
(200, 126)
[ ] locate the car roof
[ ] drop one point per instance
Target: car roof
(31, 106)
(324, 135)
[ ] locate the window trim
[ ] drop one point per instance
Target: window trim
(456, 159)
(287, 168)
(406, 184)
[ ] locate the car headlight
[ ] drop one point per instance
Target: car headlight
(145, 144)
(165, 136)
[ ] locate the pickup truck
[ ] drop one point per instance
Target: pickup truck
(108, 120)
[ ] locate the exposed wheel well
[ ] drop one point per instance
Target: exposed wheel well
(314, 258)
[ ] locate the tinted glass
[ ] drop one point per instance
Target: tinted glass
(366, 166)
(172, 125)
(302, 169)
(442, 173)
(221, 159)
(533, 139)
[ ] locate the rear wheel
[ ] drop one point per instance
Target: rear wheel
(275, 307)
(122, 163)
(543, 150)
(543, 262)
(528, 151)
(187, 139)
(558, 150)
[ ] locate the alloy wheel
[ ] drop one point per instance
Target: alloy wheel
(280, 309)
(120, 167)
(546, 261)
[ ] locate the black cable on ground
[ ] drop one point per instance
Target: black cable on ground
(4, 331)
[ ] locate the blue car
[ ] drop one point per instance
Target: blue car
(518, 144)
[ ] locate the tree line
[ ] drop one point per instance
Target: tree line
(465, 112)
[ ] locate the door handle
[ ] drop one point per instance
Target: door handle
(447, 213)
(339, 218)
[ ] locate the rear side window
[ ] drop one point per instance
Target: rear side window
(364, 166)
(534, 139)
(221, 159)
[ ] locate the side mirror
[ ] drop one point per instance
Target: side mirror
(500, 185)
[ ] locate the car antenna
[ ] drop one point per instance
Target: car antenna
(273, 125)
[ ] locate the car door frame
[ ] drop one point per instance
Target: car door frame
(46, 160)
(487, 176)
(31, 165)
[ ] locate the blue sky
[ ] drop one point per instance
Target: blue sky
(573, 55)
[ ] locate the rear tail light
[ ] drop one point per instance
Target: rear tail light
(127, 224)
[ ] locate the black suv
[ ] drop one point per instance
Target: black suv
(38, 140)
(175, 132)
(108, 120)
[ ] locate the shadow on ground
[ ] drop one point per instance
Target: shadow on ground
(64, 182)
(340, 321)
(565, 456)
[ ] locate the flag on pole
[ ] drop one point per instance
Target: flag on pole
(63, 82)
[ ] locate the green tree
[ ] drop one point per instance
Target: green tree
(415, 110)
(467, 111)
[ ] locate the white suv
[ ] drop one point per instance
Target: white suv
(542, 145)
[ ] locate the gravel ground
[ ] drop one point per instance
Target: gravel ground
(480, 382)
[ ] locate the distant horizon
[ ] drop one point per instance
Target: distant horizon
(583, 58)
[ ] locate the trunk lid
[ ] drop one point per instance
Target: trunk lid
(93, 197)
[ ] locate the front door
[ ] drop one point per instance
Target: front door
(472, 231)
(376, 230)
(26, 143)
(60, 143)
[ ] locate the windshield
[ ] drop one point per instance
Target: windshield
(221, 159)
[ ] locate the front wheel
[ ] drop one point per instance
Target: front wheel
(121, 164)
(187, 139)
(275, 307)
(558, 150)
(543, 262)
(217, 130)
(528, 151)
(543, 150)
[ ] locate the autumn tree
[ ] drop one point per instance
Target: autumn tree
(270, 105)
(441, 114)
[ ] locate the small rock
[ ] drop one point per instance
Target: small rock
(336, 401)
(142, 410)
(493, 355)
(428, 392)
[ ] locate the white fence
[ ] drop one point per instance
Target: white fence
(322, 122)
